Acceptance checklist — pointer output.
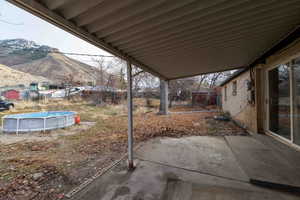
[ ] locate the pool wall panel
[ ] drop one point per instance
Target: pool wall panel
(26, 123)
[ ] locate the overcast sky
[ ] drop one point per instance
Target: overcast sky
(18, 23)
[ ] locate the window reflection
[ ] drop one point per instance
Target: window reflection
(279, 101)
(296, 100)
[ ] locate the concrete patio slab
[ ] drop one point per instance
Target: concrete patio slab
(179, 190)
(159, 180)
(209, 155)
(263, 164)
(291, 155)
(150, 182)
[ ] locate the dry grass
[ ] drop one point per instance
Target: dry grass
(68, 160)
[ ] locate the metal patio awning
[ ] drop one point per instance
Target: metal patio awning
(175, 38)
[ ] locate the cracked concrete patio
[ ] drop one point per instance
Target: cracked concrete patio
(189, 168)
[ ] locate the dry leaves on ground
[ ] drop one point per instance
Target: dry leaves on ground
(42, 178)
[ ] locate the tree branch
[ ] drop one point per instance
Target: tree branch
(138, 73)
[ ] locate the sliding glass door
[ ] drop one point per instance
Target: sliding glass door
(296, 99)
(284, 100)
(279, 101)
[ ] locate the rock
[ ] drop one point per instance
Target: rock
(36, 176)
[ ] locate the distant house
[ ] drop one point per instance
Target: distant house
(11, 94)
(205, 97)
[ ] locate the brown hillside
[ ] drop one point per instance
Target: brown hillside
(57, 67)
(9, 76)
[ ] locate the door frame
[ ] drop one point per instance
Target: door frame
(267, 102)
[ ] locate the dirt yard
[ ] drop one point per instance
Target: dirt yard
(48, 165)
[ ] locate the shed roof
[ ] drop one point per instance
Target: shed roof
(175, 38)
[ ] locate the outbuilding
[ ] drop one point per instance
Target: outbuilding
(11, 94)
(205, 97)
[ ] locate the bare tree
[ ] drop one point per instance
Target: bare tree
(143, 80)
(101, 70)
(213, 79)
(122, 81)
(201, 80)
(69, 82)
(181, 89)
(110, 74)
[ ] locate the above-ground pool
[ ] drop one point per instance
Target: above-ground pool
(38, 121)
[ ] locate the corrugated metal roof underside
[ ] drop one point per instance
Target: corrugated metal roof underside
(175, 38)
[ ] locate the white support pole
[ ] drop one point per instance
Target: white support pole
(130, 118)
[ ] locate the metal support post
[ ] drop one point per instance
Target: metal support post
(130, 118)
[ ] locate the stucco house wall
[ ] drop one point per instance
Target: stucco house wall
(254, 116)
(239, 106)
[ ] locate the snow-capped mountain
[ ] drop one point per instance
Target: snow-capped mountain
(21, 44)
(19, 51)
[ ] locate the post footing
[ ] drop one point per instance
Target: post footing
(130, 165)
